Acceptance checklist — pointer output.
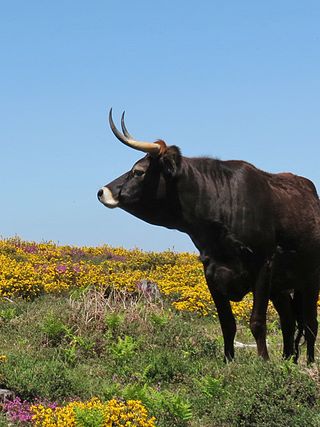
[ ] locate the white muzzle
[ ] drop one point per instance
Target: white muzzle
(105, 196)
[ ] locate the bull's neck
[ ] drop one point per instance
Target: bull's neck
(205, 193)
(165, 212)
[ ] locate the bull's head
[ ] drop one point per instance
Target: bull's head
(143, 191)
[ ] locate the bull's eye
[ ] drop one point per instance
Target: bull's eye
(137, 172)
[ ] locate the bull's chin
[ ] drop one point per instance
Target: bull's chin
(111, 205)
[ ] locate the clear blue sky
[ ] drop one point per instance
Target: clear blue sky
(232, 79)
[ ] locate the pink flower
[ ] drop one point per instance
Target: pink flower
(61, 268)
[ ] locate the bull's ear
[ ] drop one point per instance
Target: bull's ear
(170, 161)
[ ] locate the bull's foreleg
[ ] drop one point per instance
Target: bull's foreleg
(227, 323)
(258, 318)
(283, 304)
(223, 306)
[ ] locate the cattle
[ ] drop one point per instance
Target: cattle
(255, 231)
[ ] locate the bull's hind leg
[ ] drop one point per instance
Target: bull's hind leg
(297, 303)
(283, 304)
(310, 299)
(258, 319)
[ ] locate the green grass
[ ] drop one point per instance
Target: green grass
(60, 348)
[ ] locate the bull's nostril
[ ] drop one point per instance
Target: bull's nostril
(106, 198)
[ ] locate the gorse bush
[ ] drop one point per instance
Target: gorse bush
(92, 413)
(30, 269)
(88, 418)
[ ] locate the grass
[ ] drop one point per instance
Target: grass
(133, 347)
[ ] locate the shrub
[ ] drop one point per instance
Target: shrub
(29, 377)
(165, 366)
(54, 329)
(93, 413)
(124, 348)
(260, 394)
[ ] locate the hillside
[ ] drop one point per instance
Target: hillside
(107, 337)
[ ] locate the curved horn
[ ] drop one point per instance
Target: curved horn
(147, 147)
(124, 129)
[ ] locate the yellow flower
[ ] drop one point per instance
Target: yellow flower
(115, 413)
(29, 269)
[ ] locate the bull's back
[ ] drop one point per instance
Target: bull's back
(297, 212)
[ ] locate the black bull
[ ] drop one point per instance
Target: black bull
(255, 231)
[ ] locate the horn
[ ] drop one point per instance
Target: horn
(152, 148)
(124, 129)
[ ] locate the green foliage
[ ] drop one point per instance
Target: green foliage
(54, 329)
(124, 348)
(210, 386)
(69, 353)
(74, 347)
(209, 348)
(113, 389)
(8, 313)
(267, 394)
(159, 320)
(170, 361)
(89, 417)
(178, 407)
(4, 421)
(30, 377)
(114, 320)
(172, 408)
(165, 366)
(138, 391)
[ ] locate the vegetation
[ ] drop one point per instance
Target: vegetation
(85, 350)
(29, 270)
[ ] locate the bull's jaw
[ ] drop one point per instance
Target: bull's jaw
(105, 196)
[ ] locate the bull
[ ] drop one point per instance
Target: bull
(255, 231)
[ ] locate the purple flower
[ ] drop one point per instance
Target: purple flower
(74, 253)
(46, 403)
(18, 410)
(112, 257)
(31, 249)
(61, 268)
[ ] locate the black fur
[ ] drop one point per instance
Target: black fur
(255, 231)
